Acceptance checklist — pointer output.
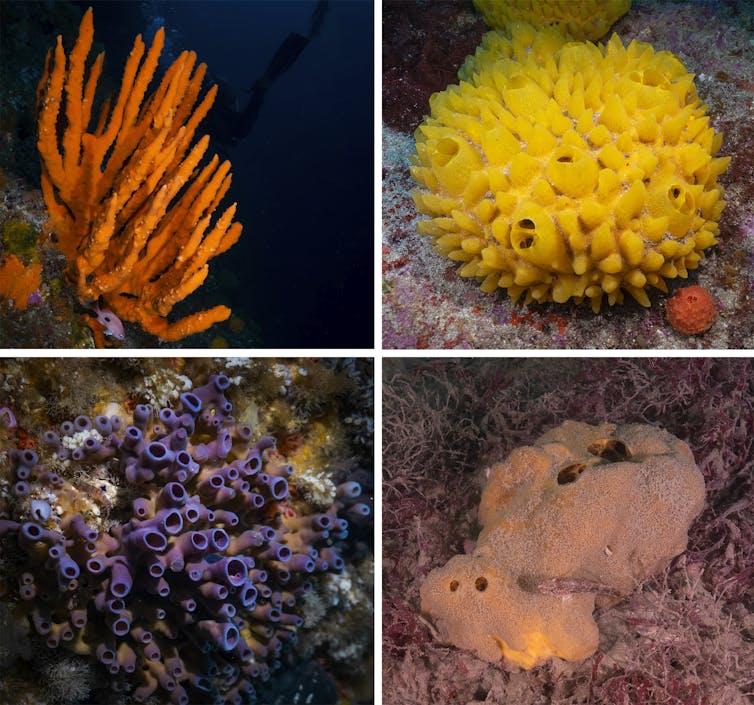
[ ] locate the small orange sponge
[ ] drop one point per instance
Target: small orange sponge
(691, 310)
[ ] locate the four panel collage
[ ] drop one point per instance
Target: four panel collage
(486, 437)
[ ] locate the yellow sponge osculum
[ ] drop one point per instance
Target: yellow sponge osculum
(581, 19)
(566, 170)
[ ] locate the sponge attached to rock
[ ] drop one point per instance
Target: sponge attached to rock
(575, 520)
(563, 170)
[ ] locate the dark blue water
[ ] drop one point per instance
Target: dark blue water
(302, 273)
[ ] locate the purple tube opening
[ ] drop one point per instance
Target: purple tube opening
(279, 488)
(105, 655)
(321, 521)
(149, 539)
(256, 499)
(68, 569)
(82, 423)
(121, 626)
(231, 473)
(191, 403)
(248, 596)
(27, 592)
(183, 458)
(191, 514)
(91, 444)
(51, 438)
(359, 510)
(67, 428)
(225, 440)
(253, 462)
(120, 580)
(115, 606)
(227, 610)
(29, 458)
(31, 532)
(77, 454)
(230, 637)
(302, 562)
(141, 507)
(221, 382)
(21, 489)
(172, 522)
(95, 566)
(23, 472)
(220, 539)
(167, 416)
(199, 541)
(132, 435)
(117, 423)
(235, 571)
(103, 425)
(142, 414)
(156, 569)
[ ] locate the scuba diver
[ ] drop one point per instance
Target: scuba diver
(229, 123)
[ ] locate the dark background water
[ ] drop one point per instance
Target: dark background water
(302, 273)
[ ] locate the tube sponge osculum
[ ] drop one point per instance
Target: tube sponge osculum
(563, 170)
(192, 584)
(580, 517)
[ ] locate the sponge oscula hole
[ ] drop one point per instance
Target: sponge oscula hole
(681, 199)
(481, 583)
(571, 473)
(453, 585)
(525, 230)
(610, 449)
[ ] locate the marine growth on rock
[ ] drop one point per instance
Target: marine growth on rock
(191, 585)
(563, 170)
(575, 521)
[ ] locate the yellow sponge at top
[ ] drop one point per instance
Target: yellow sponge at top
(581, 19)
(563, 170)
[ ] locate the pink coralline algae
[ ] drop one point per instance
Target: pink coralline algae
(191, 594)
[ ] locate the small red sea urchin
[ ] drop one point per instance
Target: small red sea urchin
(691, 310)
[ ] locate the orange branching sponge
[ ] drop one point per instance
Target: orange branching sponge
(18, 282)
(691, 310)
(128, 205)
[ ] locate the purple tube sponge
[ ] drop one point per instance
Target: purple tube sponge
(120, 579)
(209, 553)
(224, 635)
(7, 418)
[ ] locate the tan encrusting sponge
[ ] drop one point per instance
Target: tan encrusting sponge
(582, 515)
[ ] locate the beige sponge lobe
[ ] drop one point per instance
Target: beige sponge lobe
(585, 513)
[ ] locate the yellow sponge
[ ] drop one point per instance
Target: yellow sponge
(563, 170)
(581, 19)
